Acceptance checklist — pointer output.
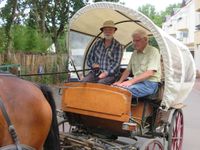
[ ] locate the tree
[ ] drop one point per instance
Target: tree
(51, 16)
(2, 39)
(56, 19)
(75, 5)
(169, 11)
(37, 14)
(150, 11)
(27, 39)
(8, 14)
(157, 17)
(11, 14)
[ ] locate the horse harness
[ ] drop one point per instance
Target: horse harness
(12, 131)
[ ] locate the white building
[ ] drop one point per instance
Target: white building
(184, 25)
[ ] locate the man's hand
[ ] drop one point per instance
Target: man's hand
(95, 66)
(117, 83)
(103, 75)
(126, 83)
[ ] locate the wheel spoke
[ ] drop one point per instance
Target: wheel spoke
(152, 144)
(176, 129)
(177, 138)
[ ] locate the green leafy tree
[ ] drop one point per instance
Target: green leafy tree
(75, 5)
(11, 14)
(169, 11)
(27, 39)
(46, 20)
(51, 16)
(56, 19)
(157, 17)
(37, 14)
(2, 39)
(8, 14)
(150, 11)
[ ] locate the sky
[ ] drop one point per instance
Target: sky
(2, 3)
(160, 5)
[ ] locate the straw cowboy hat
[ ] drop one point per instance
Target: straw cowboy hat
(108, 23)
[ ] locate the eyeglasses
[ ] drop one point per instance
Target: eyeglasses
(137, 40)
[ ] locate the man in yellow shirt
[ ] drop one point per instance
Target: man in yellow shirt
(144, 65)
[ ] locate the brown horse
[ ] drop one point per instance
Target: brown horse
(31, 109)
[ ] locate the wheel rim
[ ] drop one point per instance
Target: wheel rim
(176, 129)
(154, 145)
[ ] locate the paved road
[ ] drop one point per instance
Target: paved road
(191, 117)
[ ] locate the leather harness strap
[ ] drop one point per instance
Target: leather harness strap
(13, 147)
(11, 127)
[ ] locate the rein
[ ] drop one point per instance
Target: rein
(6, 74)
(11, 127)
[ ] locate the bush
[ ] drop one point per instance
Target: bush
(27, 39)
(2, 40)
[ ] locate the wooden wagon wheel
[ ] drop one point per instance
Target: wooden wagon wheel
(152, 144)
(175, 135)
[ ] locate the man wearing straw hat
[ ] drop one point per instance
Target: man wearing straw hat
(144, 65)
(105, 57)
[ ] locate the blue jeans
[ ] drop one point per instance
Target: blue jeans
(143, 88)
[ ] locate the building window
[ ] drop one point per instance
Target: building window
(170, 25)
(181, 35)
(192, 52)
(174, 35)
(185, 34)
(197, 22)
(179, 19)
(197, 27)
(198, 47)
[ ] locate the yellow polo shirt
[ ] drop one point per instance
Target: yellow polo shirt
(149, 59)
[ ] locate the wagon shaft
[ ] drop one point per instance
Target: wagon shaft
(88, 142)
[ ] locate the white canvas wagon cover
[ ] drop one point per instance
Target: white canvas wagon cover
(179, 68)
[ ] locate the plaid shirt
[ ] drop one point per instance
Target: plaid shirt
(108, 58)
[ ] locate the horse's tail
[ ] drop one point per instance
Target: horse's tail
(52, 142)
